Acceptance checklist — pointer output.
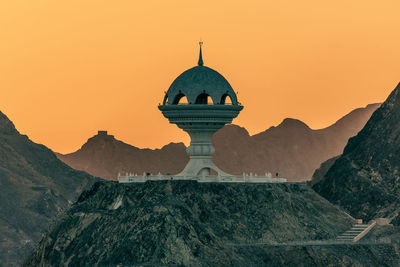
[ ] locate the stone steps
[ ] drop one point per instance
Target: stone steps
(352, 234)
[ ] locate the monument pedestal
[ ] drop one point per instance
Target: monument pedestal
(200, 122)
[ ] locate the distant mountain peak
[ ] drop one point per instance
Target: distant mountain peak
(6, 126)
(373, 105)
(292, 123)
(233, 129)
(105, 156)
(280, 149)
(100, 142)
(101, 136)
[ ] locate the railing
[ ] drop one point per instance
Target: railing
(366, 230)
(132, 178)
(208, 104)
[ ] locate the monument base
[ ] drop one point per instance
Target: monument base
(245, 178)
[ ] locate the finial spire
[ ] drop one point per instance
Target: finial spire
(200, 63)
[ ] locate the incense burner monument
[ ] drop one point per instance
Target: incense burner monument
(200, 101)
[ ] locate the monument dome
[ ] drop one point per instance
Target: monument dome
(197, 83)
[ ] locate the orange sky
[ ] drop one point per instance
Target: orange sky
(69, 68)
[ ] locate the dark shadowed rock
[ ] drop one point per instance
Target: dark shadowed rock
(34, 187)
(6, 126)
(320, 173)
(328, 255)
(184, 223)
(365, 180)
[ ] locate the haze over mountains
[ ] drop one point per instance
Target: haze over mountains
(281, 149)
(34, 187)
(104, 156)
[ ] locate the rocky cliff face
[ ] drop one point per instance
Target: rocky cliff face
(320, 173)
(34, 187)
(365, 180)
(280, 149)
(185, 223)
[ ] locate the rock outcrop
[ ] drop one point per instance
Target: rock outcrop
(365, 180)
(320, 173)
(282, 149)
(34, 187)
(175, 223)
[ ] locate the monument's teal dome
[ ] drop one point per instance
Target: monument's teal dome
(197, 83)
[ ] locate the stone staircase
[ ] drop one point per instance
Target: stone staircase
(356, 232)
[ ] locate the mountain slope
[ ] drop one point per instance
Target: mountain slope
(320, 173)
(184, 223)
(291, 149)
(365, 180)
(34, 187)
(104, 156)
(282, 149)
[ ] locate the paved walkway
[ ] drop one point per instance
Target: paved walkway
(350, 237)
(332, 242)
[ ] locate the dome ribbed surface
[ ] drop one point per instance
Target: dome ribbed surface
(199, 80)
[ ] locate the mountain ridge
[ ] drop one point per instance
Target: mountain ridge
(279, 149)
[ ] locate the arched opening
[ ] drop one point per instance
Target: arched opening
(165, 99)
(204, 99)
(226, 100)
(180, 99)
(213, 172)
(207, 172)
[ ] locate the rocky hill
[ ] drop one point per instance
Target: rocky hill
(34, 187)
(365, 180)
(280, 149)
(175, 223)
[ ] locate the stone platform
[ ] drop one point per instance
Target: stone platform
(245, 178)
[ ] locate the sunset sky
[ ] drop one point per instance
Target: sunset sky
(70, 68)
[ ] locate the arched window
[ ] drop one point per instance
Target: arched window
(165, 99)
(226, 100)
(180, 99)
(204, 99)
